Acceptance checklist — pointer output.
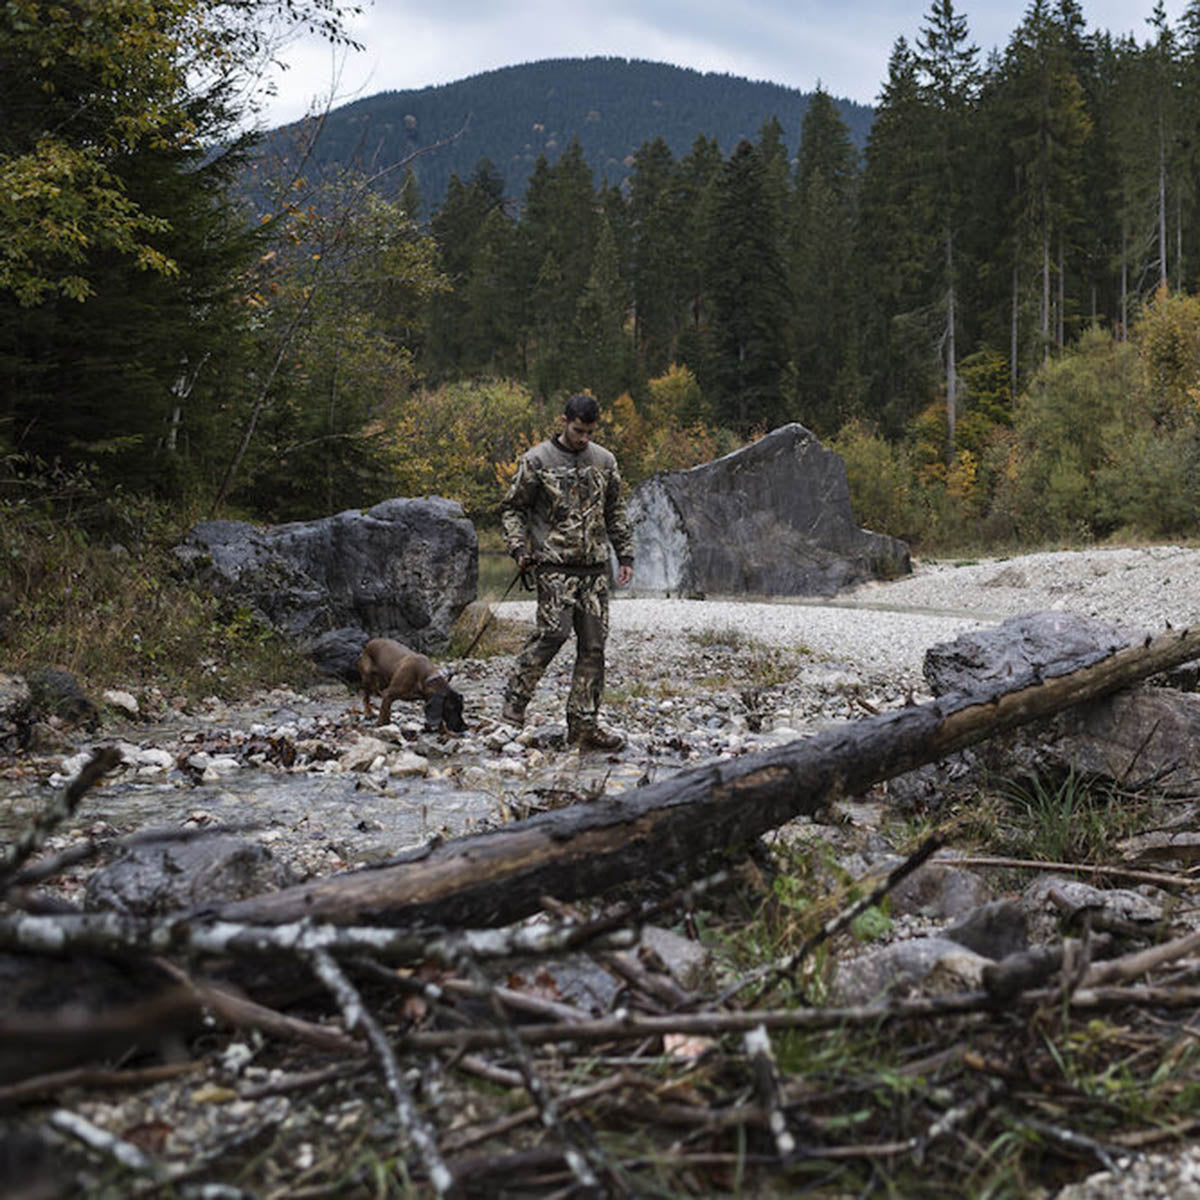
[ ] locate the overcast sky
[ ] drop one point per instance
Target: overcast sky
(843, 44)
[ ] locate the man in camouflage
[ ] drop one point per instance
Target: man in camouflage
(559, 517)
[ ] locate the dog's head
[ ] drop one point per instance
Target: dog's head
(445, 708)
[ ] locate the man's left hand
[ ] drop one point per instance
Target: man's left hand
(624, 574)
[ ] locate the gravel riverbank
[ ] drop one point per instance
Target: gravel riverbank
(880, 631)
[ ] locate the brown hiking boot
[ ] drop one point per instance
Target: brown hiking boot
(593, 737)
(513, 713)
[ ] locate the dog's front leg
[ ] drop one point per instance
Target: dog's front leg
(385, 706)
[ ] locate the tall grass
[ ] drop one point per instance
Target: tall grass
(117, 613)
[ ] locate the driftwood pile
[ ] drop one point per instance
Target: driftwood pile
(401, 973)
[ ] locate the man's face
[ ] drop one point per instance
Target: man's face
(576, 433)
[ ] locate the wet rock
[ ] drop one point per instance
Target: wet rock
(122, 702)
(43, 738)
(364, 753)
(938, 889)
(156, 878)
(993, 930)
(1020, 651)
(689, 962)
(1045, 917)
(16, 712)
(1162, 845)
(211, 767)
(407, 765)
(1139, 737)
(336, 653)
(577, 980)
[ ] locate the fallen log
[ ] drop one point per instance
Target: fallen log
(503, 875)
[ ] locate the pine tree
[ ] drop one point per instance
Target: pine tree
(750, 299)
(898, 250)
(948, 64)
(657, 244)
(602, 359)
(456, 227)
(493, 307)
(1046, 127)
(555, 246)
(692, 204)
(822, 259)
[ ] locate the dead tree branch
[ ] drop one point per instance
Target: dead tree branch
(34, 836)
(357, 1016)
(115, 933)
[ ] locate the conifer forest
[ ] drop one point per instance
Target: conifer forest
(988, 305)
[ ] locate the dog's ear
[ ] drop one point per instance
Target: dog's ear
(434, 709)
(452, 712)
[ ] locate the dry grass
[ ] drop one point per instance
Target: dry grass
(113, 616)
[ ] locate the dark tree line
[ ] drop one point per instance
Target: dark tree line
(160, 338)
(999, 208)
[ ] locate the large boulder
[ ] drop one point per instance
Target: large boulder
(403, 569)
(1138, 737)
(771, 519)
(1021, 651)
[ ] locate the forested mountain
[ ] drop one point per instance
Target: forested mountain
(986, 300)
(513, 115)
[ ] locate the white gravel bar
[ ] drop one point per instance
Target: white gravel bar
(884, 629)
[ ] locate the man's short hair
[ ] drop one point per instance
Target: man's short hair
(582, 407)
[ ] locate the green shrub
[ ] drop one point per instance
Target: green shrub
(882, 488)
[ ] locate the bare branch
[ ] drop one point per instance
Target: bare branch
(358, 1016)
(34, 836)
(115, 933)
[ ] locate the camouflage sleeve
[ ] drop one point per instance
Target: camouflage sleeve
(617, 520)
(514, 508)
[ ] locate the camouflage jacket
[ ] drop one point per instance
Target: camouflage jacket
(567, 507)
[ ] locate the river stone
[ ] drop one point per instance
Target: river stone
(1020, 651)
(364, 751)
(773, 518)
(688, 961)
(1045, 917)
(122, 702)
(1140, 736)
(55, 692)
(994, 930)
(337, 652)
(930, 966)
(162, 877)
(937, 889)
(16, 712)
(403, 569)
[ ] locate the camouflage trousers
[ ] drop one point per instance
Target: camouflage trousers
(566, 602)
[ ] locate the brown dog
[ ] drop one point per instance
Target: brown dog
(398, 673)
